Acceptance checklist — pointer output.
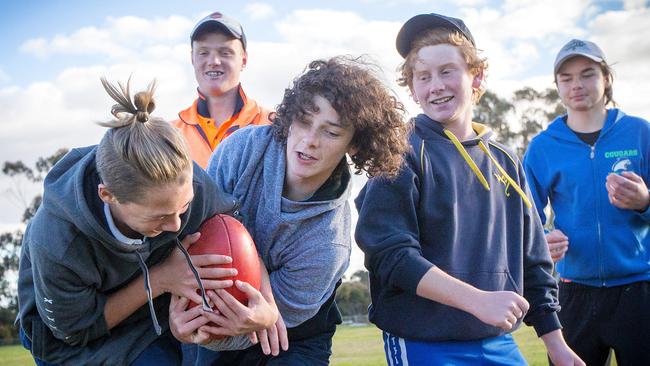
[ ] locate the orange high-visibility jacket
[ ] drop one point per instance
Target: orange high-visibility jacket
(201, 134)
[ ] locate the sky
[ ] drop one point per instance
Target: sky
(54, 53)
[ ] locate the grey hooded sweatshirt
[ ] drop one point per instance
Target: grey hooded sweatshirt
(70, 263)
(305, 245)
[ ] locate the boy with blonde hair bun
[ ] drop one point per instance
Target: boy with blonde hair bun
(455, 250)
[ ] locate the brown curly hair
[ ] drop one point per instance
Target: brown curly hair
(361, 100)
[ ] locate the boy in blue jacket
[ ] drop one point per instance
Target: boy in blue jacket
(592, 164)
(455, 250)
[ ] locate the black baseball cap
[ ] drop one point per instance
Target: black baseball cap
(421, 22)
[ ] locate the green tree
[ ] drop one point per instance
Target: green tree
(353, 296)
(10, 242)
(494, 112)
(533, 111)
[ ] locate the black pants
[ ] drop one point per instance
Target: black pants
(313, 351)
(595, 319)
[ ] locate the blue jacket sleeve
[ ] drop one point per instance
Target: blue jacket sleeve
(388, 231)
(540, 287)
(535, 168)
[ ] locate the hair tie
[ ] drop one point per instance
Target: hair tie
(142, 116)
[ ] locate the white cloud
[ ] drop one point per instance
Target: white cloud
(634, 4)
(259, 11)
(122, 38)
(307, 35)
(623, 37)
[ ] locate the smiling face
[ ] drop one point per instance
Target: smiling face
(218, 60)
(442, 84)
(581, 84)
(159, 210)
(315, 146)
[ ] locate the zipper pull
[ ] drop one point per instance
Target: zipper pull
(593, 152)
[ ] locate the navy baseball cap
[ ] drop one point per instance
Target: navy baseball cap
(577, 47)
(225, 23)
(421, 22)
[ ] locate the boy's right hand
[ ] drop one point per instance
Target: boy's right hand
(558, 244)
(175, 276)
(185, 324)
(500, 308)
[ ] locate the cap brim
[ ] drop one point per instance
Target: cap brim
(415, 26)
(559, 63)
(216, 25)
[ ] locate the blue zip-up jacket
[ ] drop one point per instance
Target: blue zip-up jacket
(437, 212)
(608, 246)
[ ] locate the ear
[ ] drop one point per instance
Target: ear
(352, 150)
(478, 79)
(104, 194)
(244, 59)
(413, 96)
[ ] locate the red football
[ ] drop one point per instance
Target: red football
(222, 234)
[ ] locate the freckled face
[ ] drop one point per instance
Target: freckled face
(443, 84)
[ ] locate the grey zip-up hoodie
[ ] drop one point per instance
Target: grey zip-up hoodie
(305, 246)
(70, 263)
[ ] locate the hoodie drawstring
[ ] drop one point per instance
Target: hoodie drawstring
(503, 173)
(477, 171)
(206, 306)
(468, 159)
(147, 287)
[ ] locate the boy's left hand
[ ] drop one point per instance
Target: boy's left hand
(186, 324)
(627, 191)
(235, 318)
(558, 351)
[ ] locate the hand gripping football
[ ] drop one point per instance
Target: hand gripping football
(222, 234)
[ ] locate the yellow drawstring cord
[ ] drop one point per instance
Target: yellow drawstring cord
(477, 171)
(468, 159)
(503, 173)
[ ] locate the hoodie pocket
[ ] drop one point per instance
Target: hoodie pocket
(488, 280)
(464, 326)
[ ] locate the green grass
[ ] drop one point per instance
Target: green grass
(358, 346)
(363, 346)
(15, 356)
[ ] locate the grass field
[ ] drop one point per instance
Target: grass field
(362, 346)
(353, 346)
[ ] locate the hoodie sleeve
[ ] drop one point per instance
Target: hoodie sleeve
(307, 277)
(387, 230)
(535, 168)
(540, 287)
(67, 302)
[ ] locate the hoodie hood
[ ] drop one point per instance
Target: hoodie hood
(428, 128)
(559, 129)
(483, 134)
(76, 176)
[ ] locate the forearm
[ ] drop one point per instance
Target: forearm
(438, 286)
(553, 339)
(125, 301)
